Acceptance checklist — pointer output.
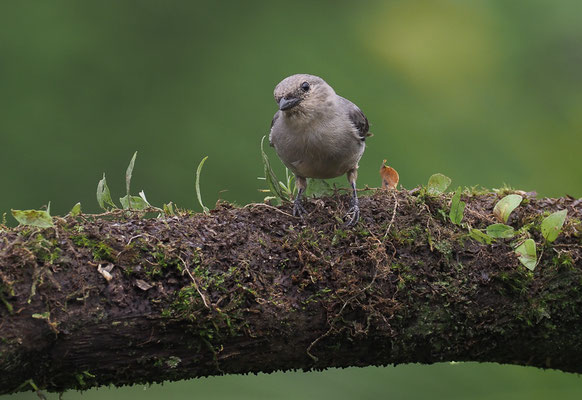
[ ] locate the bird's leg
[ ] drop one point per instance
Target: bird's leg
(298, 209)
(355, 208)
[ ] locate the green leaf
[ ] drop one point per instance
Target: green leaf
(526, 252)
(137, 203)
(76, 210)
(480, 236)
(103, 194)
(438, 183)
(205, 209)
(38, 218)
(169, 209)
(500, 231)
(128, 174)
(142, 195)
(270, 176)
(318, 188)
(552, 225)
(505, 206)
(44, 315)
(457, 207)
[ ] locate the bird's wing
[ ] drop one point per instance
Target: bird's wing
(357, 118)
(275, 118)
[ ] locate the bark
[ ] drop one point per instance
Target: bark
(124, 299)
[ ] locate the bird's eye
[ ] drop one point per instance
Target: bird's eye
(305, 86)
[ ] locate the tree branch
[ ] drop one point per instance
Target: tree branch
(125, 299)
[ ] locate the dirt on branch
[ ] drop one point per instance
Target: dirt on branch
(124, 299)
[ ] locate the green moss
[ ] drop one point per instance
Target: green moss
(405, 275)
(100, 250)
(211, 303)
(443, 214)
(80, 377)
(444, 247)
(504, 190)
(310, 237)
(187, 303)
(430, 319)
(316, 297)
(160, 262)
(563, 260)
(362, 231)
(476, 190)
(515, 282)
(173, 361)
(407, 235)
(338, 235)
(45, 250)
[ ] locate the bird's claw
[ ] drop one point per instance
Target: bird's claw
(355, 215)
(298, 209)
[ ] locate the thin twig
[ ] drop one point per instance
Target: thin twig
(331, 328)
(393, 216)
(195, 283)
(269, 206)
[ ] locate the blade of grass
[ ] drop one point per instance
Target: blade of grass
(128, 174)
(205, 209)
(270, 176)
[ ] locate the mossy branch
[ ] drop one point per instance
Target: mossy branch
(123, 299)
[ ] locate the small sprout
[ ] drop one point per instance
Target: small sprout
(173, 361)
(500, 231)
(104, 195)
(38, 218)
(81, 377)
(169, 209)
(526, 252)
(128, 174)
(389, 177)
(137, 203)
(282, 191)
(44, 315)
(205, 209)
(552, 225)
(142, 195)
(457, 207)
(76, 210)
(480, 236)
(6, 303)
(437, 184)
(505, 206)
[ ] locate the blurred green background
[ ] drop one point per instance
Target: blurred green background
(486, 92)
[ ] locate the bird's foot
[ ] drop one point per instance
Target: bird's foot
(298, 209)
(353, 214)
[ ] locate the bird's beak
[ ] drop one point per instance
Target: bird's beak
(286, 104)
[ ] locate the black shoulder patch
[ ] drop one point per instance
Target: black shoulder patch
(358, 118)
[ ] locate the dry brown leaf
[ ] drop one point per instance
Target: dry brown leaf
(104, 272)
(143, 285)
(389, 176)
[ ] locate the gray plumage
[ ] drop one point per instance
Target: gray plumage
(317, 134)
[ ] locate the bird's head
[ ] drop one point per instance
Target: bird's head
(303, 94)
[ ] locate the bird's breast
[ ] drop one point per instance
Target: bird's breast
(319, 150)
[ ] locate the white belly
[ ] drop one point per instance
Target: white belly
(319, 155)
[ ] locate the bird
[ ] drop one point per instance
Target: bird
(318, 134)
